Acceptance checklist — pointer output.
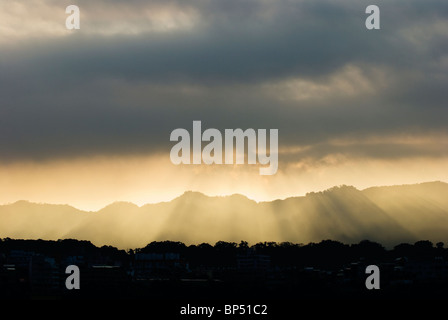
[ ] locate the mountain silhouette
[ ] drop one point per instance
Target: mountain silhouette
(389, 215)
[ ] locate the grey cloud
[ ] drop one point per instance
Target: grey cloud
(74, 96)
(301, 39)
(319, 152)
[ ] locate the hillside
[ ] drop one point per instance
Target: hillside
(389, 215)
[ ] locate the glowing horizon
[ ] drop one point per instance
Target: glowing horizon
(88, 184)
(86, 115)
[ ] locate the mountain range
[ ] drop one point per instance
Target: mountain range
(389, 215)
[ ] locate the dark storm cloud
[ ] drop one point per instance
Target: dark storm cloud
(309, 39)
(92, 94)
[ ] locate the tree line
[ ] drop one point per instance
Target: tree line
(327, 253)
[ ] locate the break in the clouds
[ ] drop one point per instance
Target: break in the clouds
(138, 69)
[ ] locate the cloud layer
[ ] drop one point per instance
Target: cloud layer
(139, 69)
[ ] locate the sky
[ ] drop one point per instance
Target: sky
(86, 115)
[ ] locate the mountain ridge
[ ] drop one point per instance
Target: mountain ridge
(188, 192)
(389, 215)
